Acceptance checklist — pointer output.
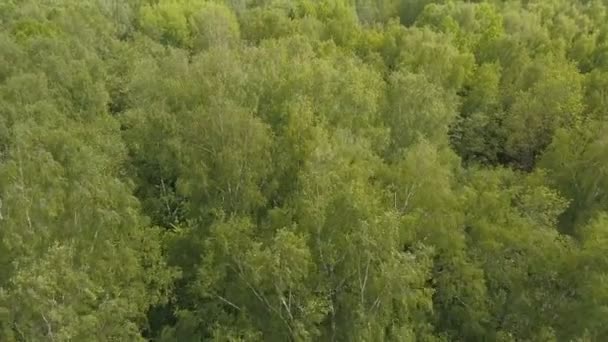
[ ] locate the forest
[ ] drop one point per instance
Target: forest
(304, 170)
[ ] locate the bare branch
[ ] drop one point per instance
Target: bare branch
(227, 302)
(49, 330)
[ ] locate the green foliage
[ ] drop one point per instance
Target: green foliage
(272, 170)
(417, 108)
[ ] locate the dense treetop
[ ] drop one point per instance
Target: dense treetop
(304, 170)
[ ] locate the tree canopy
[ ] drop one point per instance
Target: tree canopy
(303, 170)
